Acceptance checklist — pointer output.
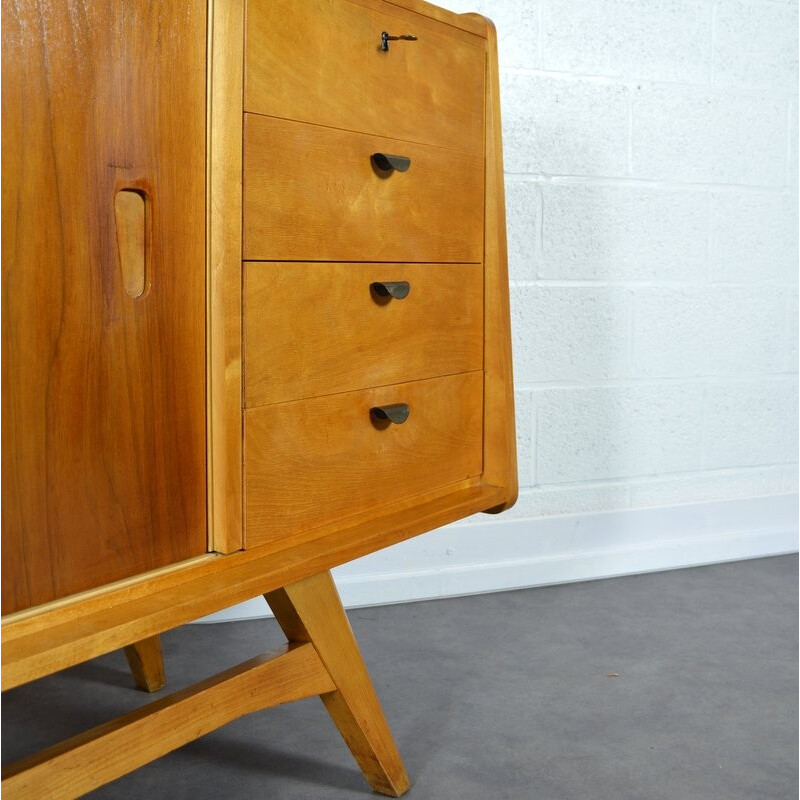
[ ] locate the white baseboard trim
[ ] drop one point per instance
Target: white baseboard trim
(498, 555)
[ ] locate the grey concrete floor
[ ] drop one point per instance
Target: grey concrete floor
(498, 696)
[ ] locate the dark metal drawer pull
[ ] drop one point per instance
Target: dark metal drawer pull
(397, 412)
(387, 163)
(397, 289)
(386, 38)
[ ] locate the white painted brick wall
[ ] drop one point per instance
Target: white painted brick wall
(699, 135)
(651, 188)
(599, 432)
(523, 212)
(708, 331)
(753, 237)
(664, 40)
(752, 422)
(546, 121)
(567, 333)
(598, 232)
(753, 44)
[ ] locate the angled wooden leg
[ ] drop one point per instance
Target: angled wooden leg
(311, 611)
(147, 664)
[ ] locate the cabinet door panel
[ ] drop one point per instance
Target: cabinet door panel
(103, 368)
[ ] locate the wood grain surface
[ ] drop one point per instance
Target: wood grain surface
(147, 663)
(460, 21)
(74, 767)
(130, 213)
(122, 200)
(311, 611)
(70, 633)
(499, 431)
(313, 461)
(314, 329)
(224, 263)
(311, 194)
(326, 67)
(103, 395)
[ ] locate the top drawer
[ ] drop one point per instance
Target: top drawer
(320, 61)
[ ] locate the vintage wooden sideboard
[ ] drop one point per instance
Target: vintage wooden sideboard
(255, 324)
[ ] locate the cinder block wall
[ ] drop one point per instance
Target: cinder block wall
(651, 189)
(651, 180)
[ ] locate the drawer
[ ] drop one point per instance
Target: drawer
(319, 328)
(315, 194)
(314, 461)
(319, 61)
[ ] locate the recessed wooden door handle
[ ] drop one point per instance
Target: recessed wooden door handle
(397, 289)
(130, 218)
(396, 412)
(388, 163)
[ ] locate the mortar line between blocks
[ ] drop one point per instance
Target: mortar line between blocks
(759, 378)
(631, 331)
(645, 283)
(646, 479)
(630, 93)
(709, 238)
(532, 466)
(789, 117)
(634, 182)
(712, 44)
(538, 244)
(540, 43)
(704, 401)
(746, 91)
(789, 333)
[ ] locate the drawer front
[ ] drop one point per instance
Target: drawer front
(314, 461)
(315, 194)
(314, 329)
(319, 61)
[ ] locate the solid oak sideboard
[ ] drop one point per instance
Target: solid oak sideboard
(255, 324)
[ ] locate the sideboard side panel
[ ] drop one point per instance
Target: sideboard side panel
(499, 448)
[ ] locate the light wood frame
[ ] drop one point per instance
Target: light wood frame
(321, 656)
(224, 274)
